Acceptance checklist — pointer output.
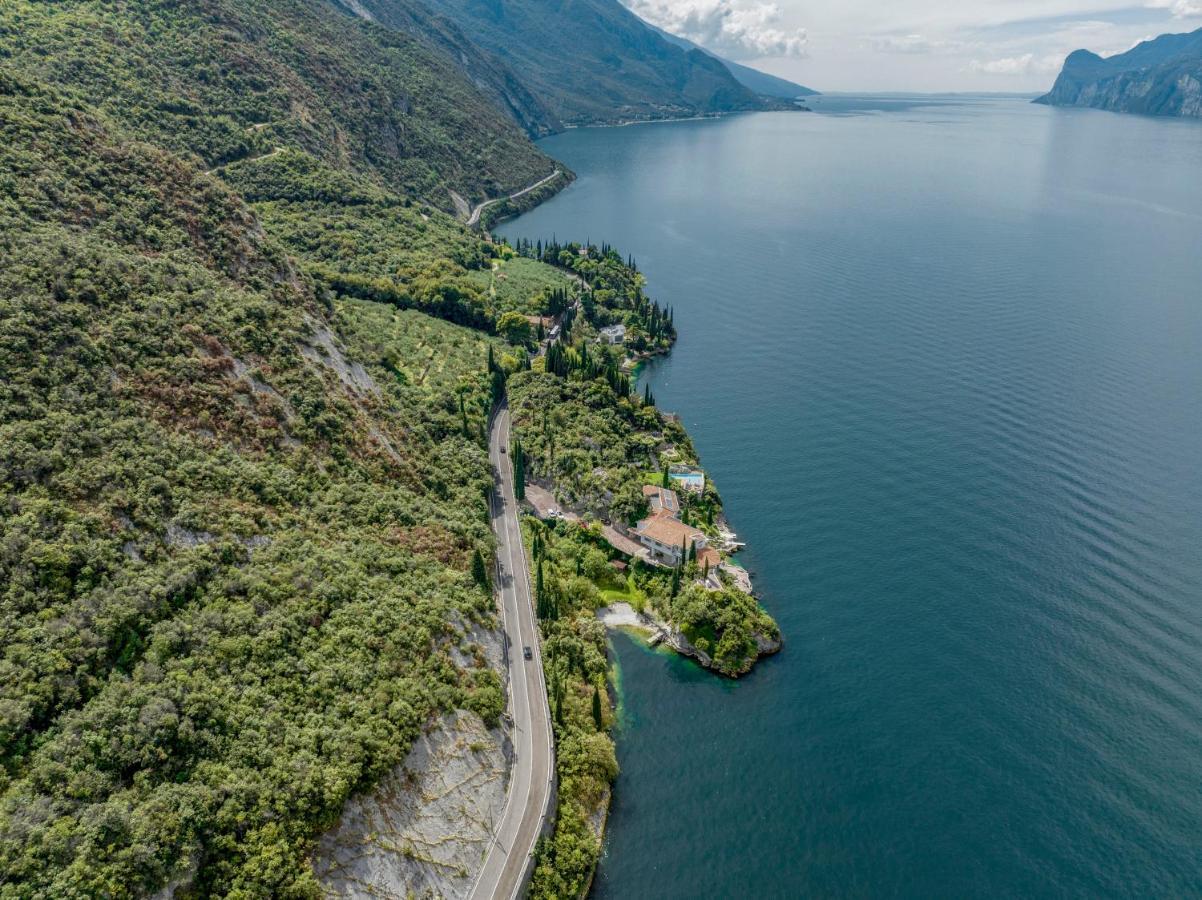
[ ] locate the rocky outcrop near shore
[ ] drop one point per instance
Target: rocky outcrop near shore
(623, 615)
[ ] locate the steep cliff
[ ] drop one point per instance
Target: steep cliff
(1161, 77)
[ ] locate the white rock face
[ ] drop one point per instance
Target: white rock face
(424, 831)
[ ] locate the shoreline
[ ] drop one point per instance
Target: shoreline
(729, 632)
(726, 576)
(798, 106)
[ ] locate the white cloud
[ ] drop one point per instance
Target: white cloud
(914, 43)
(1181, 9)
(736, 28)
(1024, 64)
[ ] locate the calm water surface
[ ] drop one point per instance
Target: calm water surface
(945, 364)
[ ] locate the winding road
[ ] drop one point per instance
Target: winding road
(527, 804)
(474, 218)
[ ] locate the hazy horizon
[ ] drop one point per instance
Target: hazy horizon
(917, 46)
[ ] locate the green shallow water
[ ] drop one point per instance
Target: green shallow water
(944, 360)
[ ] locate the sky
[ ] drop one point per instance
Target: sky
(917, 45)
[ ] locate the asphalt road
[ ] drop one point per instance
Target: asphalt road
(526, 805)
(474, 218)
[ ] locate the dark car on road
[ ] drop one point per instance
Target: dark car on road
(528, 653)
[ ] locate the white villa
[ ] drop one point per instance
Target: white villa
(667, 538)
(613, 334)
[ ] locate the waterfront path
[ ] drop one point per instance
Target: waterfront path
(527, 804)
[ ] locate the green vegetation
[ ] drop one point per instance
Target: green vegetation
(594, 61)
(614, 292)
(723, 624)
(231, 560)
(590, 442)
(226, 80)
(249, 357)
(575, 661)
(418, 359)
(523, 285)
(586, 435)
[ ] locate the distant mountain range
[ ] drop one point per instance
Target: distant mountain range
(753, 79)
(581, 62)
(1161, 77)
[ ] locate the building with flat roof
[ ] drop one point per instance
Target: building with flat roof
(613, 334)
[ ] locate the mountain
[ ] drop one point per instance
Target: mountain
(236, 535)
(486, 71)
(219, 81)
(1161, 77)
(242, 464)
(594, 61)
(754, 80)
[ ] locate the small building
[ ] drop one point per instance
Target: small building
(667, 539)
(662, 501)
(613, 334)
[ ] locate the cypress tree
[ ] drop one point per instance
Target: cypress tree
(519, 471)
(479, 570)
(498, 386)
(665, 481)
(597, 708)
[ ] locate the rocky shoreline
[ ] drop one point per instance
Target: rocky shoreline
(660, 632)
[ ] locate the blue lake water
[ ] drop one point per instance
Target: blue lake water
(944, 362)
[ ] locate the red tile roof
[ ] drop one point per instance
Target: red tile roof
(708, 555)
(668, 531)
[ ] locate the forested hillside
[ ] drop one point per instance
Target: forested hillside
(225, 80)
(594, 61)
(231, 557)
(494, 78)
(753, 79)
(248, 355)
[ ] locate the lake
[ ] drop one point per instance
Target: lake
(943, 359)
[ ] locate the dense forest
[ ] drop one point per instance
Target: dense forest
(231, 558)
